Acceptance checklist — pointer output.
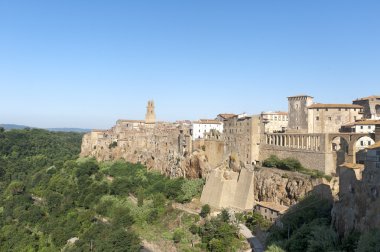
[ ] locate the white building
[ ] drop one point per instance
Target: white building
(199, 128)
(364, 126)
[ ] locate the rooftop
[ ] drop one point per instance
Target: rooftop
(374, 146)
(273, 206)
(207, 121)
(274, 113)
(301, 95)
(364, 122)
(321, 105)
(226, 115)
(352, 166)
(368, 98)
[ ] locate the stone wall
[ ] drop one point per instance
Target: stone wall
(213, 149)
(229, 189)
(312, 150)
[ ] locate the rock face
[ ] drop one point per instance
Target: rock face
(358, 207)
(283, 187)
(165, 147)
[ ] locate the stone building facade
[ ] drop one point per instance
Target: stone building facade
(166, 147)
(371, 105)
(242, 138)
(274, 122)
(329, 118)
(298, 113)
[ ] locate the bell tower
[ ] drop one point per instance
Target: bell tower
(150, 117)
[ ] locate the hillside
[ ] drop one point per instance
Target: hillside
(51, 201)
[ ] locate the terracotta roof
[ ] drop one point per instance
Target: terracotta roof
(364, 122)
(352, 166)
(227, 116)
(273, 206)
(134, 121)
(368, 98)
(207, 121)
(275, 113)
(321, 105)
(374, 146)
(301, 95)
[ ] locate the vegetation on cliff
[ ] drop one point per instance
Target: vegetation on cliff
(292, 164)
(307, 227)
(51, 200)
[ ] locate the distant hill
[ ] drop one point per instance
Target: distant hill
(13, 126)
(70, 130)
(16, 126)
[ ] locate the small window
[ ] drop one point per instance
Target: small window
(317, 109)
(329, 118)
(361, 127)
(362, 143)
(317, 118)
(327, 109)
(369, 142)
(346, 109)
(369, 127)
(340, 109)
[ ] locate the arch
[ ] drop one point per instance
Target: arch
(339, 143)
(359, 148)
(377, 109)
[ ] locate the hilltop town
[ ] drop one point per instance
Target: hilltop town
(337, 145)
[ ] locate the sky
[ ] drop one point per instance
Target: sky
(88, 63)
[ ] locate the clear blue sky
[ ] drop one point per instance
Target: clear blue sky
(88, 63)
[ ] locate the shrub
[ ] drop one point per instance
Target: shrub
(205, 211)
(272, 161)
(177, 236)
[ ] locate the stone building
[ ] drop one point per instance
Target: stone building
(329, 118)
(166, 147)
(150, 117)
(313, 135)
(270, 210)
(371, 105)
(298, 113)
(242, 138)
(274, 122)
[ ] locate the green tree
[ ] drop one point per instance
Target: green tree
(369, 242)
(205, 211)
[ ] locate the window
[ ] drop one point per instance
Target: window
(327, 109)
(346, 109)
(340, 109)
(354, 118)
(329, 118)
(317, 118)
(361, 127)
(369, 142)
(369, 127)
(362, 143)
(317, 109)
